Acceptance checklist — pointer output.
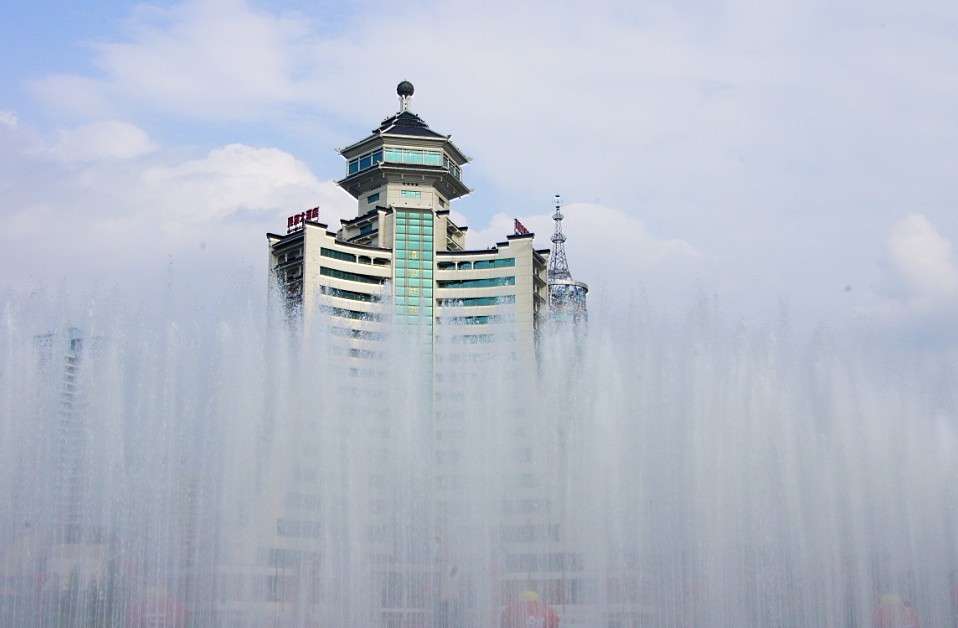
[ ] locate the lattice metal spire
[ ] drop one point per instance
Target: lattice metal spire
(558, 266)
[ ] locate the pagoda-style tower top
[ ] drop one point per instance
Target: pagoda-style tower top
(404, 150)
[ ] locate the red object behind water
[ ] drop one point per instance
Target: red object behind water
(529, 615)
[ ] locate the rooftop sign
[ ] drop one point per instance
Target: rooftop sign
(296, 221)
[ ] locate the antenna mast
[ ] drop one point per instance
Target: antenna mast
(558, 266)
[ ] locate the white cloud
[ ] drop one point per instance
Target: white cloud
(921, 268)
(200, 59)
(8, 118)
(121, 221)
(75, 97)
(919, 292)
(923, 259)
(592, 227)
(611, 251)
(110, 139)
(228, 179)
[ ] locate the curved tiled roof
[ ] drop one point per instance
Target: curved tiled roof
(406, 123)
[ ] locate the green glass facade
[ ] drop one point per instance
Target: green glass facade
(413, 268)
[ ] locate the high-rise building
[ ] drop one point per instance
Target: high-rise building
(63, 543)
(403, 259)
(399, 276)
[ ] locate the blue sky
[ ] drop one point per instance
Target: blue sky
(763, 153)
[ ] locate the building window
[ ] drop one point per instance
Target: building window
(474, 339)
(529, 533)
(415, 156)
(442, 202)
(451, 166)
(358, 334)
(365, 161)
(365, 355)
(491, 282)
(470, 320)
(346, 257)
(349, 294)
(477, 301)
(372, 198)
(505, 262)
(303, 501)
(340, 274)
(410, 194)
(299, 529)
(354, 315)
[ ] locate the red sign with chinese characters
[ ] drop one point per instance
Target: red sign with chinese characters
(520, 228)
(295, 222)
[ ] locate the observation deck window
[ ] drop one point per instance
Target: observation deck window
(451, 166)
(364, 162)
(420, 157)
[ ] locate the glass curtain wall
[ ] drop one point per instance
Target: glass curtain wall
(413, 273)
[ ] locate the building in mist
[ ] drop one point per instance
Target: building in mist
(60, 544)
(61, 355)
(400, 277)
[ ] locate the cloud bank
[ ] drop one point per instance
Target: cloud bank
(107, 205)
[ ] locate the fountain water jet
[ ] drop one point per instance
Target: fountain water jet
(674, 475)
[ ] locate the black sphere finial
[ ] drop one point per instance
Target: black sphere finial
(405, 89)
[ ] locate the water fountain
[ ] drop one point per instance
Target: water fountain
(686, 474)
